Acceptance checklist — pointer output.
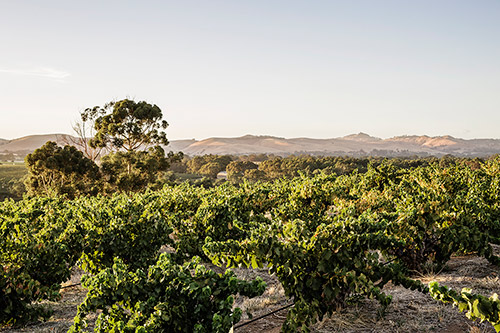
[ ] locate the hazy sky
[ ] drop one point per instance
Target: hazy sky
(229, 68)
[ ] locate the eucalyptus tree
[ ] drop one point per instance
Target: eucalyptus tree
(129, 125)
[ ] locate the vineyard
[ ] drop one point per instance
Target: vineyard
(156, 261)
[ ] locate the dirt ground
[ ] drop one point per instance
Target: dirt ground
(410, 311)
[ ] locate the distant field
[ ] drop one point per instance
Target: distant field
(8, 172)
(12, 171)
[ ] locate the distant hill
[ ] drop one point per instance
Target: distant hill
(361, 137)
(31, 142)
(179, 145)
(354, 145)
(360, 144)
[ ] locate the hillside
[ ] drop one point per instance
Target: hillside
(31, 142)
(354, 145)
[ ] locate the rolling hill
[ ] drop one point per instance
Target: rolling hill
(360, 144)
(30, 143)
(355, 145)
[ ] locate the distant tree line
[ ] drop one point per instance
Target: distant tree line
(262, 167)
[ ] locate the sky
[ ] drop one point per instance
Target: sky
(319, 69)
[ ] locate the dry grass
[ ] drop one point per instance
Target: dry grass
(410, 311)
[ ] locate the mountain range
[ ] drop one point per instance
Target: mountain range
(360, 144)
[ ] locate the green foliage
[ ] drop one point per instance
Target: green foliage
(477, 306)
(128, 227)
(12, 181)
(39, 236)
(17, 292)
(39, 244)
(435, 212)
(321, 267)
(440, 212)
(329, 239)
(224, 212)
(410, 217)
(236, 170)
(55, 171)
(208, 165)
(129, 128)
(129, 125)
(166, 298)
(303, 198)
(134, 171)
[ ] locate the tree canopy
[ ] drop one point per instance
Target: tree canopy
(129, 125)
(134, 171)
(236, 170)
(54, 170)
(208, 165)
